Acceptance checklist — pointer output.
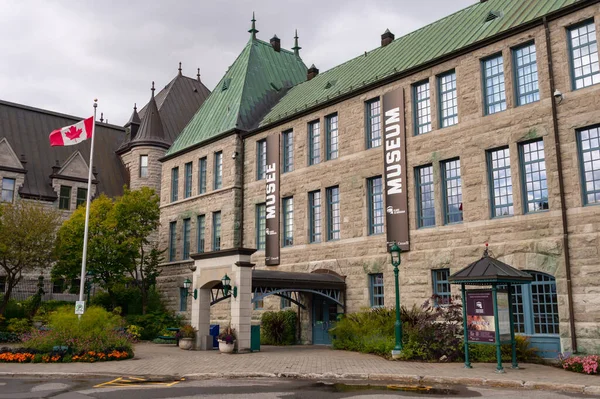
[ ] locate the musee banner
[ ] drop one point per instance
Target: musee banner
(396, 199)
(272, 202)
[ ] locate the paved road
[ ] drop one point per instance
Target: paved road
(131, 388)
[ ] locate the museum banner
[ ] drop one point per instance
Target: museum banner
(272, 202)
(395, 184)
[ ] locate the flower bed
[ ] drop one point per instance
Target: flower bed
(581, 364)
(25, 355)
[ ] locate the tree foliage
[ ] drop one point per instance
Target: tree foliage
(27, 236)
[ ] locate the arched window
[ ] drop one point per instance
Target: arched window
(535, 305)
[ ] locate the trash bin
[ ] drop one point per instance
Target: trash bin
(214, 332)
(255, 338)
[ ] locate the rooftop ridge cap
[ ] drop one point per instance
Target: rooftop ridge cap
(269, 45)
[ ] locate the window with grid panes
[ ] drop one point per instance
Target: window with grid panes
(584, 55)
(441, 286)
(218, 183)
(202, 175)
(288, 221)
(588, 142)
(186, 238)
(261, 223)
(518, 308)
(448, 99)
(373, 123)
(64, 200)
(452, 189)
(425, 196)
(172, 240)
(314, 214)
(58, 286)
(533, 176)
(375, 202)
(493, 89)
(288, 151)
(333, 213)
(331, 122)
(187, 184)
(314, 143)
(200, 231)
(174, 184)
(216, 242)
(545, 304)
(422, 108)
(261, 159)
(81, 196)
(183, 295)
(8, 190)
(526, 72)
(285, 303)
(500, 182)
(143, 165)
(376, 290)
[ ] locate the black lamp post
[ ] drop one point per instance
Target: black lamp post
(227, 286)
(395, 252)
(187, 283)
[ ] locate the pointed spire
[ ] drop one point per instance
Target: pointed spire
(101, 116)
(134, 121)
(180, 68)
(296, 48)
(253, 30)
(135, 107)
(150, 127)
(198, 75)
(152, 89)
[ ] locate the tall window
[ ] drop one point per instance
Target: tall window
(535, 305)
(183, 296)
(500, 182)
(314, 143)
(200, 227)
(494, 92)
(588, 141)
(526, 73)
(584, 55)
(288, 221)
(218, 183)
(422, 108)
(143, 165)
(64, 200)
(216, 242)
(186, 238)
(373, 109)
(533, 176)
(331, 123)
(425, 196)
(441, 286)
(333, 213)
(375, 200)
(2, 284)
(448, 99)
(172, 240)
(81, 196)
(261, 159)
(188, 181)
(314, 215)
(8, 190)
(261, 220)
(376, 290)
(452, 188)
(202, 175)
(174, 184)
(288, 151)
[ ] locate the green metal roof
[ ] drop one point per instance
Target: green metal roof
(256, 80)
(452, 33)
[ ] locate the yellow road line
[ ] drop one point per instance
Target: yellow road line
(107, 383)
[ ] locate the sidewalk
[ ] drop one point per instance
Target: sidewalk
(310, 362)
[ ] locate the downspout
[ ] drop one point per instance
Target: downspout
(561, 189)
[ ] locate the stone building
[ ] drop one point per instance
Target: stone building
(500, 143)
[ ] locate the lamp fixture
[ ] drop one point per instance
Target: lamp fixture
(187, 284)
(227, 286)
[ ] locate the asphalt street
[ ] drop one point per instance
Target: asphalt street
(140, 387)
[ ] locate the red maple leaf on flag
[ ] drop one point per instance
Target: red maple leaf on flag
(73, 133)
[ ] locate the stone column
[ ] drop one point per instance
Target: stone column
(241, 307)
(201, 315)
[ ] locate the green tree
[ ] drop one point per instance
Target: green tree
(27, 236)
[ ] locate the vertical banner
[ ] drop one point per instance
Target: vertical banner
(395, 184)
(272, 202)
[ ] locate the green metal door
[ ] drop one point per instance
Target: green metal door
(324, 318)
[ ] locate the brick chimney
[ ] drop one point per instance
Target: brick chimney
(276, 43)
(312, 72)
(387, 38)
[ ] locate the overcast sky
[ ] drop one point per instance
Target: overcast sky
(60, 55)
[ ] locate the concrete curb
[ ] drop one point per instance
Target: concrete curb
(396, 378)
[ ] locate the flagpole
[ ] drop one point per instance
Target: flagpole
(87, 209)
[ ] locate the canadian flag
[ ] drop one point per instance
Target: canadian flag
(74, 134)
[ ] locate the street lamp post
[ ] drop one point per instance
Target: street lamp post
(395, 253)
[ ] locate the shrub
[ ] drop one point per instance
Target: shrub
(129, 299)
(8, 337)
(18, 326)
(153, 323)
(368, 331)
(278, 328)
(581, 364)
(487, 353)
(134, 331)
(187, 331)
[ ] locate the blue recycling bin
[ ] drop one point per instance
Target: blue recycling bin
(214, 332)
